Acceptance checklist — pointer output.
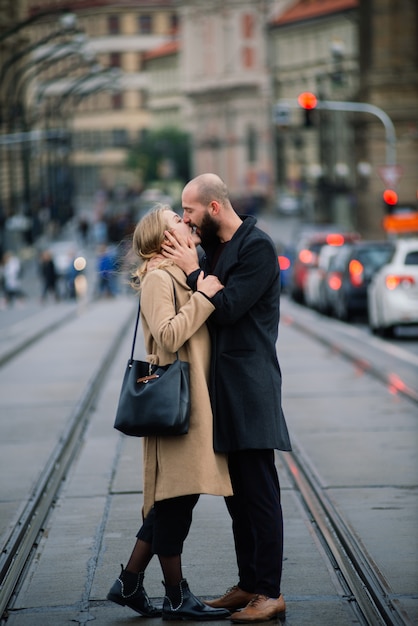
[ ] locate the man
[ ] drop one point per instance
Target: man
(245, 386)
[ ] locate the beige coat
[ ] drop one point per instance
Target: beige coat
(187, 464)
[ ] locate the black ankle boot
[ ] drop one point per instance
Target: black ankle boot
(180, 604)
(128, 590)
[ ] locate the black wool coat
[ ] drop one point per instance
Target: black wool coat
(245, 381)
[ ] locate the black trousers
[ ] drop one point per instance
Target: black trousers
(257, 520)
(167, 525)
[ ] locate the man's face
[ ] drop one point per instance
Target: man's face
(199, 217)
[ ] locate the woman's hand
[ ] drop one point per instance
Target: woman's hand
(181, 251)
(209, 285)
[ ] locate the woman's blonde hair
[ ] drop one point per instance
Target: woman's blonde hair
(148, 237)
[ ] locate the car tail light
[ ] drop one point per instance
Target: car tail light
(356, 271)
(284, 262)
(334, 281)
(335, 239)
(393, 281)
(306, 256)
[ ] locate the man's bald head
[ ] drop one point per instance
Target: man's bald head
(209, 187)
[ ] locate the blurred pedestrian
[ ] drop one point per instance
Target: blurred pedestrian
(176, 469)
(83, 230)
(106, 272)
(245, 385)
(12, 279)
(49, 276)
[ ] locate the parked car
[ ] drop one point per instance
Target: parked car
(307, 251)
(349, 275)
(393, 291)
(286, 257)
(288, 204)
(315, 285)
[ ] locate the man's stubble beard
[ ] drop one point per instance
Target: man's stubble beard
(209, 231)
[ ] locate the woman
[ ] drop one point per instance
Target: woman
(176, 469)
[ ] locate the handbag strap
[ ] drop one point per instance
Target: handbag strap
(137, 320)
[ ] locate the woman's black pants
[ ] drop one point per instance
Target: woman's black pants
(257, 520)
(167, 525)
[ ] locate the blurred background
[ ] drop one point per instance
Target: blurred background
(306, 108)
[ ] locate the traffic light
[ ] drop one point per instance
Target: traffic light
(390, 199)
(308, 102)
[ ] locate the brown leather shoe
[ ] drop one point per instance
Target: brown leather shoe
(235, 598)
(260, 609)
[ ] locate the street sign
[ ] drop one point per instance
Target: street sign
(401, 223)
(390, 174)
(281, 114)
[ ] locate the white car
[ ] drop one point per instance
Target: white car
(393, 291)
(314, 287)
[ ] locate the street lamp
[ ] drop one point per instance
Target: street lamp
(67, 20)
(17, 107)
(27, 50)
(97, 79)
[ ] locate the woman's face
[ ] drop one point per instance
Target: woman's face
(174, 222)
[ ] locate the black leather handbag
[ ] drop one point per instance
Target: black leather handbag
(154, 400)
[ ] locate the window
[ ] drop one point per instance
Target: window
(113, 25)
(174, 22)
(248, 57)
(251, 144)
(248, 26)
(117, 101)
(115, 59)
(412, 258)
(145, 24)
(119, 138)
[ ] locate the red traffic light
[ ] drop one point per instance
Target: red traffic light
(307, 100)
(390, 197)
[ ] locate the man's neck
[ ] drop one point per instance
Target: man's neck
(228, 230)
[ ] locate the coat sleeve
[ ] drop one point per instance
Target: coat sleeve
(254, 272)
(171, 330)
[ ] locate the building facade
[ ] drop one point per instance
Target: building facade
(363, 54)
(225, 71)
(85, 97)
(226, 84)
(314, 49)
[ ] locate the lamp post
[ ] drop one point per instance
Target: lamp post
(65, 51)
(67, 20)
(18, 106)
(67, 23)
(97, 79)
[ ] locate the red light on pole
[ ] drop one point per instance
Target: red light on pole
(390, 197)
(307, 100)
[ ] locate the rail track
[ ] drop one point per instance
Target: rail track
(24, 536)
(360, 580)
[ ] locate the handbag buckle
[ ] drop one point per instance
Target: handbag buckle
(145, 379)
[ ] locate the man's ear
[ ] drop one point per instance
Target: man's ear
(215, 206)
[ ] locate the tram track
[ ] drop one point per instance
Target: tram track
(360, 579)
(369, 354)
(26, 531)
(359, 576)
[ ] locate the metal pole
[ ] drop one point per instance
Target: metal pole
(65, 15)
(358, 107)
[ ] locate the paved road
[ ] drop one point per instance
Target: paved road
(358, 434)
